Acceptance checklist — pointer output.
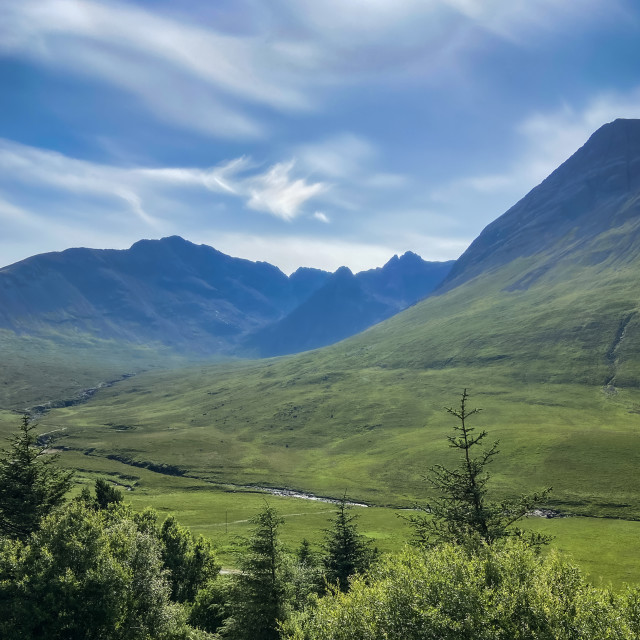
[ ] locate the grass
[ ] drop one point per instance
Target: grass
(373, 432)
(222, 514)
(59, 366)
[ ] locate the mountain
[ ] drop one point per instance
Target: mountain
(347, 304)
(594, 192)
(539, 319)
(169, 291)
(190, 297)
(404, 280)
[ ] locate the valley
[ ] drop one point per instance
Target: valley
(539, 320)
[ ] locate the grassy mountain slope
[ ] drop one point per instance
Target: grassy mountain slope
(547, 338)
(56, 368)
(366, 414)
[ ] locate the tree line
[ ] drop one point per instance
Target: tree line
(92, 567)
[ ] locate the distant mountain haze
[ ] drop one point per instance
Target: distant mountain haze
(195, 298)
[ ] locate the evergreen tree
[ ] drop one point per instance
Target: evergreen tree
(462, 512)
(347, 552)
(31, 485)
(106, 493)
(259, 596)
(304, 554)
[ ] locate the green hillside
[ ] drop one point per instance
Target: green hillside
(539, 319)
(57, 367)
(555, 367)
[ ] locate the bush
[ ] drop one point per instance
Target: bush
(504, 592)
(87, 574)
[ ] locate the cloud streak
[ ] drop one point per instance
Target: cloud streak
(206, 71)
(198, 77)
(276, 191)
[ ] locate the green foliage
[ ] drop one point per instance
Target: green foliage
(190, 560)
(305, 555)
(506, 592)
(86, 574)
(106, 493)
(212, 605)
(260, 594)
(346, 551)
(31, 485)
(462, 513)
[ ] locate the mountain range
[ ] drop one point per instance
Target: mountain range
(199, 300)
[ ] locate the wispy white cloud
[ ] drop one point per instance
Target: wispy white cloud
(221, 178)
(277, 193)
(322, 217)
(199, 77)
(13, 214)
(384, 35)
(145, 53)
(519, 20)
(24, 164)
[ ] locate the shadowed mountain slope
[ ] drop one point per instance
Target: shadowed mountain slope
(169, 291)
(347, 304)
(191, 297)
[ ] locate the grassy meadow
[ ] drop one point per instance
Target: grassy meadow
(222, 513)
(372, 432)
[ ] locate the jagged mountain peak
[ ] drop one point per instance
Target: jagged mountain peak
(343, 272)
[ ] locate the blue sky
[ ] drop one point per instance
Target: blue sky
(295, 131)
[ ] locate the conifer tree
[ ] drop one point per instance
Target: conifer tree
(106, 493)
(31, 485)
(260, 594)
(304, 554)
(347, 551)
(462, 512)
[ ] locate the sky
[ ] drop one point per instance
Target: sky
(298, 132)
